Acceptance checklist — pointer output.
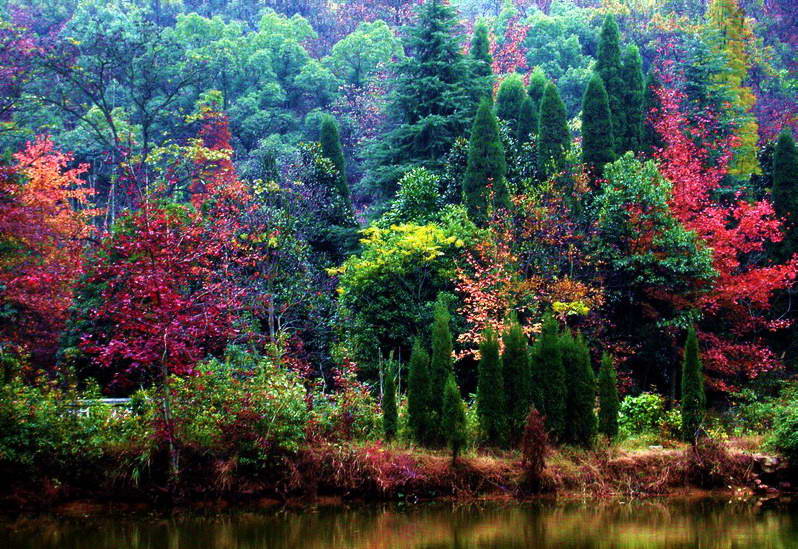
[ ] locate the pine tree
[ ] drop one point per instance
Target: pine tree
(581, 390)
(785, 191)
(490, 391)
(454, 417)
(516, 374)
(527, 125)
(331, 148)
(537, 85)
(418, 394)
(481, 62)
(693, 399)
(608, 65)
(389, 414)
(651, 140)
(598, 144)
(537, 376)
(554, 139)
(486, 166)
(509, 102)
(609, 403)
(441, 363)
(552, 378)
(632, 76)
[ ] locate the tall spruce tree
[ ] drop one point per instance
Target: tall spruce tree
(481, 62)
(432, 103)
(609, 403)
(516, 374)
(632, 76)
(419, 409)
(608, 65)
(581, 390)
(454, 417)
(693, 398)
(598, 143)
(554, 139)
(509, 102)
(486, 166)
(552, 378)
(650, 139)
(785, 191)
(491, 406)
(331, 148)
(389, 414)
(441, 364)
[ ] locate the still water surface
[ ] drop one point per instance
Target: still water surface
(648, 524)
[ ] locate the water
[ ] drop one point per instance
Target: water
(647, 524)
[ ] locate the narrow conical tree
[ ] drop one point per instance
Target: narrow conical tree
(537, 376)
(389, 414)
(527, 125)
(509, 102)
(481, 62)
(598, 144)
(552, 372)
(785, 191)
(693, 398)
(516, 373)
(651, 140)
(554, 139)
(608, 65)
(331, 148)
(537, 85)
(454, 417)
(633, 92)
(490, 391)
(609, 403)
(581, 390)
(418, 394)
(486, 165)
(441, 363)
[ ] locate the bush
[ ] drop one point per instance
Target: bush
(641, 414)
(785, 430)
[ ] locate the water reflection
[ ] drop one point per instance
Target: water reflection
(650, 524)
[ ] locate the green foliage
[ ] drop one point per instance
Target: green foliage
(331, 148)
(633, 92)
(537, 85)
(441, 363)
(486, 169)
(481, 62)
(608, 65)
(598, 142)
(528, 122)
(419, 394)
(453, 420)
(608, 398)
(357, 56)
(693, 398)
(417, 201)
(641, 414)
(581, 390)
(785, 430)
(785, 190)
(517, 378)
(554, 139)
(491, 404)
(650, 139)
(548, 373)
(509, 102)
(390, 419)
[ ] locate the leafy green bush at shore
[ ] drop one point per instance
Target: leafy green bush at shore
(641, 414)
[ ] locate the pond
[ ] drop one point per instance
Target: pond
(650, 524)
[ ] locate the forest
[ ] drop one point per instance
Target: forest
(390, 247)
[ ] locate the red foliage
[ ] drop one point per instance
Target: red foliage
(509, 54)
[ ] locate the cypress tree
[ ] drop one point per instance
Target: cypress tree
(552, 378)
(632, 77)
(537, 376)
(454, 418)
(693, 398)
(527, 125)
(537, 85)
(441, 362)
(608, 65)
(581, 390)
(331, 148)
(486, 165)
(516, 373)
(490, 390)
(509, 102)
(651, 140)
(554, 139)
(418, 394)
(598, 145)
(481, 62)
(785, 190)
(389, 415)
(609, 403)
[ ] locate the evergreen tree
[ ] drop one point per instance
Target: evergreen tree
(516, 374)
(454, 417)
(554, 139)
(537, 85)
(537, 376)
(598, 144)
(552, 378)
(651, 140)
(486, 166)
(389, 414)
(632, 76)
(481, 62)
(608, 65)
(509, 102)
(418, 394)
(785, 191)
(331, 148)
(490, 391)
(527, 125)
(693, 399)
(441, 362)
(581, 390)
(609, 403)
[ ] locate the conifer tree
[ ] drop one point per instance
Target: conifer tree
(554, 139)
(651, 139)
(509, 102)
(490, 391)
(481, 62)
(552, 378)
(330, 142)
(581, 390)
(537, 85)
(785, 190)
(516, 374)
(608, 65)
(693, 398)
(418, 394)
(632, 76)
(486, 165)
(598, 144)
(454, 417)
(537, 376)
(527, 125)
(441, 362)
(389, 414)
(609, 403)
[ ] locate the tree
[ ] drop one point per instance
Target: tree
(509, 102)
(554, 139)
(486, 168)
(598, 143)
(693, 399)
(441, 362)
(516, 374)
(608, 398)
(608, 65)
(389, 415)
(528, 122)
(491, 405)
(356, 57)
(633, 92)
(581, 390)
(537, 85)
(331, 148)
(453, 421)
(650, 138)
(785, 190)
(419, 395)
(549, 374)
(481, 62)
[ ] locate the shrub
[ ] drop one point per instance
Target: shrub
(534, 447)
(641, 414)
(785, 430)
